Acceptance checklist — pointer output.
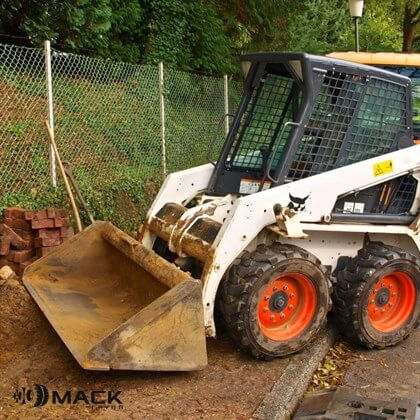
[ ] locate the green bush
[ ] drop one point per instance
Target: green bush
(123, 200)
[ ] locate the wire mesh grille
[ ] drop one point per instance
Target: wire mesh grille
(379, 120)
(107, 126)
(394, 197)
(262, 121)
(328, 124)
(414, 74)
(403, 197)
(382, 117)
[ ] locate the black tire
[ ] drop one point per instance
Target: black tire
(355, 288)
(241, 292)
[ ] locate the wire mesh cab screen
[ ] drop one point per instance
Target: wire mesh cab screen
(414, 74)
(328, 123)
(273, 102)
(354, 118)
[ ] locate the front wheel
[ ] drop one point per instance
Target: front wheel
(275, 300)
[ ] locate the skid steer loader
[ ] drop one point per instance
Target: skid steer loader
(316, 191)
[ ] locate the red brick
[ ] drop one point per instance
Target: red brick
(40, 252)
(59, 213)
(39, 242)
(23, 265)
(20, 256)
(24, 245)
(24, 234)
(18, 224)
(14, 213)
(66, 232)
(61, 222)
(4, 245)
(51, 213)
(48, 233)
(36, 215)
(42, 224)
(28, 215)
(15, 239)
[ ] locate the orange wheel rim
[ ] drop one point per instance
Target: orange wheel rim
(391, 301)
(287, 306)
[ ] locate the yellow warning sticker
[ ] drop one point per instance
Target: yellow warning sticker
(383, 168)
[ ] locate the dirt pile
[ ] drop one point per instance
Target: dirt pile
(21, 322)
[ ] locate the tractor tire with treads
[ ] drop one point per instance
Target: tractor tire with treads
(275, 300)
(376, 297)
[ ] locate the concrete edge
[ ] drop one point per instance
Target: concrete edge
(285, 395)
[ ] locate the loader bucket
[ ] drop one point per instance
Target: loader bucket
(118, 305)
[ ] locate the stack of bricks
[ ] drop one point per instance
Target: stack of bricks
(27, 235)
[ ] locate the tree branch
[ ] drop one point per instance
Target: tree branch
(416, 12)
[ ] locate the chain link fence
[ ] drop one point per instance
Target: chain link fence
(23, 109)
(108, 127)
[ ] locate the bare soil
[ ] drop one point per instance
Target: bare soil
(387, 374)
(232, 386)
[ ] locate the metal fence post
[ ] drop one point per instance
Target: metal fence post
(162, 116)
(47, 55)
(226, 94)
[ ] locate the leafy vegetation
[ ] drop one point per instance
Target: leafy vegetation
(192, 35)
(207, 36)
(123, 198)
(331, 371)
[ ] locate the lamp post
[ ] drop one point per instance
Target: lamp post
(356, 11)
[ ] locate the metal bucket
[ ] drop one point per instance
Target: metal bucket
(118, 305)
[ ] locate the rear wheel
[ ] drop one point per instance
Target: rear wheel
(376, 295)
(275, 300)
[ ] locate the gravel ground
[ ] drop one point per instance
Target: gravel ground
(232, 386)
(387, 374)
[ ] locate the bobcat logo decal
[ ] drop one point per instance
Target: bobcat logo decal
(297, 203)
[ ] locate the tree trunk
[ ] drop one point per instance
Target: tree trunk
(409, 26)
(408, 40)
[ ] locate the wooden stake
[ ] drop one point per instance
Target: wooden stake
(66, 182)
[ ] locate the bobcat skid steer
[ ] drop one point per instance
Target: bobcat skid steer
(316, 191)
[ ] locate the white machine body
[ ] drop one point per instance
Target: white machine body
(248, 220)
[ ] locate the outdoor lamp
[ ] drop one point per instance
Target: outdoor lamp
(356, 8)
(356, 11)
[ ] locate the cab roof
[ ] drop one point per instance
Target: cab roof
(381, 58)
(285, 56)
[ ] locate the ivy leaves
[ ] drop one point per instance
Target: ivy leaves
(188, 35)
(207, 35)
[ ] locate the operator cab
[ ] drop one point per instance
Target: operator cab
(400, 63)
(302, 115)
